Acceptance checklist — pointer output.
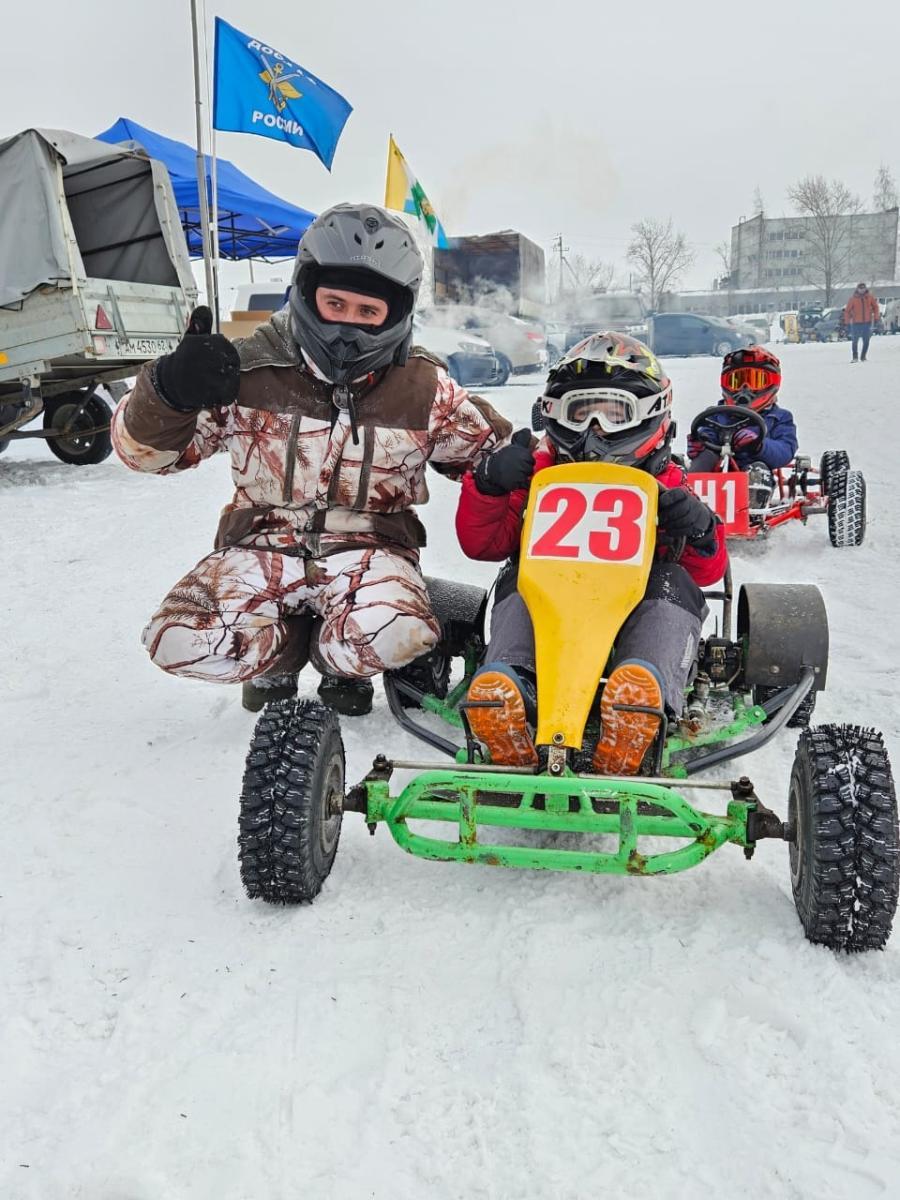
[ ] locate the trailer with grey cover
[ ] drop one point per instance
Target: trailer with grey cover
(95, 280)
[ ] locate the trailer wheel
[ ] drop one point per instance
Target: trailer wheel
(291, 802)
(847, 509)
(78, 446)
(845, 850)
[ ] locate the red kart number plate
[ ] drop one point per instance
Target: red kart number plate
(589, 522)
(728, 495)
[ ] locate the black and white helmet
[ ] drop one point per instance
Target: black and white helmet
(364, 249)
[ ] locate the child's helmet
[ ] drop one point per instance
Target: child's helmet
(751, 376)
(607, 400)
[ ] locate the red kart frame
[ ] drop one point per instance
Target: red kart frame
(798, 494)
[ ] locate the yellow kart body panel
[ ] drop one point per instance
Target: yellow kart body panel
(587, 547)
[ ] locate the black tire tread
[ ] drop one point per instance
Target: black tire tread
(291, 742)
(853, 871)
(847, 509)
(430, 674)
(832, 461)
(99, 446)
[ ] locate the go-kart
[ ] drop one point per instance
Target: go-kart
(799, 492)
(587, 547)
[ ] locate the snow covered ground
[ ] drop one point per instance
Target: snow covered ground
(422, 1030)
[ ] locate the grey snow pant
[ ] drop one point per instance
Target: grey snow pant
(664, 631)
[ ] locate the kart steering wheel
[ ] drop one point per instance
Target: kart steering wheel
(728, 418)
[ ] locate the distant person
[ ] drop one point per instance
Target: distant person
(860, 313)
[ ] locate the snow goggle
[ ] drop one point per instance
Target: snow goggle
(612, 409)
(757, 379)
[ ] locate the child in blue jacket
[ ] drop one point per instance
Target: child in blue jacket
(751, 377)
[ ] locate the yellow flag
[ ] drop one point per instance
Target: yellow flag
(405, 194)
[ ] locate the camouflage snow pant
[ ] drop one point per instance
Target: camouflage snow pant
(230, 618)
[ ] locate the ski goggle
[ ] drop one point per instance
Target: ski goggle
(612, 409)
(757, 379)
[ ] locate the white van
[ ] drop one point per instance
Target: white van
(254, 303)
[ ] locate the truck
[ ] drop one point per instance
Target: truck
(95, 279)
(502, 270)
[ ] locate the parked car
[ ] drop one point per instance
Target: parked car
(892, 316)
(758, 325)
(690, 333)
(521, 343)
(470, 360)
(744, 327)
(831, 327)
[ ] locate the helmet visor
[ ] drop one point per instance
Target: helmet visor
(612, 409)
(756, 379)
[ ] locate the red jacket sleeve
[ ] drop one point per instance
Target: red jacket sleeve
(706, 569)
(489, 527)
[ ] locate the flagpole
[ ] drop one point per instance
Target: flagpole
(201, 166)
(215, 226)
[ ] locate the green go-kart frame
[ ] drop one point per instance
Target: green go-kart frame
(841, 824)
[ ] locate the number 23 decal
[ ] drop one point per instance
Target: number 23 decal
(589, 523)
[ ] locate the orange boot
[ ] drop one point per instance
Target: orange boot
(503, 727)
(627, 736)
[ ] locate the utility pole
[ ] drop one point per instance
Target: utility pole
(561, 251)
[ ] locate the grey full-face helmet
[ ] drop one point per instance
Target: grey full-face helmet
(364, 249)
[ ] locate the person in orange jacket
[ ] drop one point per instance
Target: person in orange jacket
(860, 313)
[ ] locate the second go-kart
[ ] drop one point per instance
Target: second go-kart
(587, 546)
(751, 506)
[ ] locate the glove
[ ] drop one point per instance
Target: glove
(745, 439)
(508, 468)
(681, 514)
(203, 371)
(710, 433)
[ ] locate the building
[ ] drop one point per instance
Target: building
(775, 253)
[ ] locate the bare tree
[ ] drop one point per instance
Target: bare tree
(660, 255)
(590, 275)
(827, 206)
(723, 251)
(884, 196)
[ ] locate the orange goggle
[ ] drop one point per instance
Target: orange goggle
(757, 379)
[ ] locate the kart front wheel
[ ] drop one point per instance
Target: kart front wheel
(845, 848)
(291, 802)
(847, 509)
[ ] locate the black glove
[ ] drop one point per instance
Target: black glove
(508, 468)
(681, 514)
(203, 371)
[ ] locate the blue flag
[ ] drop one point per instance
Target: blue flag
(258, 90)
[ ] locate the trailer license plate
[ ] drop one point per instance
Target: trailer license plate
(147, 347)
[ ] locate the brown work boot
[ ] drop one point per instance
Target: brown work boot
(263, 689)
(627, 736)
(503, 727)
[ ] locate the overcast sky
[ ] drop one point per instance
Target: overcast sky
(566, 117)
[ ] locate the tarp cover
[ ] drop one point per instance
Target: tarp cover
(74, 207)
(252, 222)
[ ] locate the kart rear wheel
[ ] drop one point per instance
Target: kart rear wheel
(430, 674)
(77, 445)
(291, 802)
(847, 509)
(803, 715)
(845, 851)
(831, 462)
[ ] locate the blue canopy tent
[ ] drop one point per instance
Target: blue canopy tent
(253, 223)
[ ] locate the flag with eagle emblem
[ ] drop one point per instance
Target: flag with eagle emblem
(257, 89)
